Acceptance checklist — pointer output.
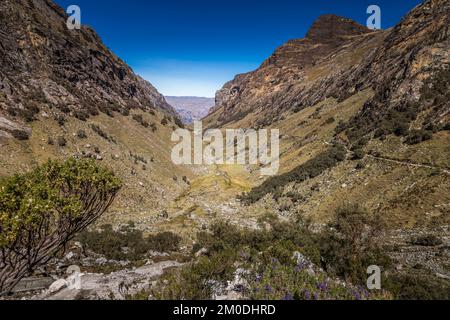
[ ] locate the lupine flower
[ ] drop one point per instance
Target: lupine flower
(299, 267)
(288, 297)
(366, 294)
(268, 288)
(322, 286)
(357, 295)
(316, 296)
(307, 295)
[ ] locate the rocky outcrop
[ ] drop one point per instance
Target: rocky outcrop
(43, 64)
(337, 59)
(117, 285)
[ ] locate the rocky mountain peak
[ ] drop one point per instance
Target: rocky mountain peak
(331, 27)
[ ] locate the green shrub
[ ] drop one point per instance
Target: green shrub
(111, 243)
(60, 119)
(360, 166)
(417, 286)
(311, 169)
(267, 255)
(426, 241)
(358, 154)
(102, 133)
(330, 120)
(20, 134)
(164, 242)
(81, 134)
(62, 142)
(29, 112)
(48, 206)
(349, 246)
(164, 121)
(418, 136)
(196, 280)
(140, 119)
(81, 115)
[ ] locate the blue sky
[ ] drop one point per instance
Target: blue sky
(192, 47)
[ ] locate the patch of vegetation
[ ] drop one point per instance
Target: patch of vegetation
(60, 119)
(418, 136)
(127, 243)
(266, 260)
(330, 120)
(358, 154)
(360, 166)
(428, 240)
(178, 122)
(29, 112)
(434, 95)
(101, 133)
(62, 142)
(165, 121)
(125, 112)
(164, 242)
(138, 158)
(81, 115)
(107, 109)
(349, 245)
(20, 135)
(81, 134)
(48, 205)
(312, 168)
(140, 119)
(418, 285)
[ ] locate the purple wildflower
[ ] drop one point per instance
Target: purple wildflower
(322, 286)
(299, 267)
(307, 295)
(288, 297)
(366, 294)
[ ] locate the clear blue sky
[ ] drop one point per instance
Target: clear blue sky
(192, 47)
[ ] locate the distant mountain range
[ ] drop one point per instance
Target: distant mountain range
(191, 108)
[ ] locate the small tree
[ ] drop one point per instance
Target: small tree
(350, 245)
(42, 210)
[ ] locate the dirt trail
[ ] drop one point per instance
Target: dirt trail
(410, 164)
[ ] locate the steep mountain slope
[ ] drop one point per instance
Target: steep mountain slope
(191, 108)
(63, 93)
(337, 59)
(383, 96)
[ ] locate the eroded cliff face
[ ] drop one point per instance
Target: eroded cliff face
(64, 94)
(42, 62)
(339, 58)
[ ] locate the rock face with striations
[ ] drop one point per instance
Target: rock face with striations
(43, 62)
(339, 58)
